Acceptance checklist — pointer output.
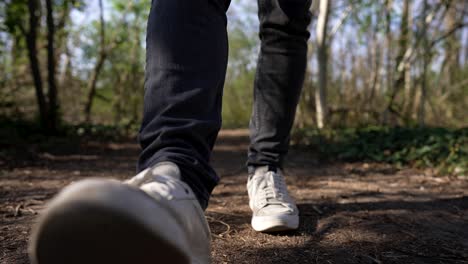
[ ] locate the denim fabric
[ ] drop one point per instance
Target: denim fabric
(187, 53)
(279, 78)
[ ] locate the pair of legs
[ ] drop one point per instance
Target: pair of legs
(187, 52)
(157, 216)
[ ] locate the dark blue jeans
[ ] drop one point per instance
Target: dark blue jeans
(187, 52)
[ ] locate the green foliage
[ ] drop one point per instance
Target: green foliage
(21, 140)
(119, 95)
(361, 66)
(238, 90)
(443, 149)
(22, 132)
(16, 16)
(238, 100)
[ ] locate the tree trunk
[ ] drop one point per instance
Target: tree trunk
(390, 87)
(453, 45)
(375, 74)
(426, 53)
(53, 103)
(320, 92)
(97, 69)
(31, 42)
(404, 44)
(409, 56)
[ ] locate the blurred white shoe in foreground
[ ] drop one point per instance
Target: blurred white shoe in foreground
(153, 218)
(273, 209)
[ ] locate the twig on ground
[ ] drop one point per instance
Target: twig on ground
(408, 233)
(374, 260)
(228, 227)
(316, 209)
(17, 210)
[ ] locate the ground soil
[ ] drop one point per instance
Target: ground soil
(350, 212)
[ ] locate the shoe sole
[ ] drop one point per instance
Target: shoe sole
(97, 222)
(277, 223)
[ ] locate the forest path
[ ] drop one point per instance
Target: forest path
(350, 212)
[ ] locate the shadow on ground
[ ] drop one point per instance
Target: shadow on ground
(350, 213)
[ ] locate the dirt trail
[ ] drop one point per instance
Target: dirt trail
(350, 213)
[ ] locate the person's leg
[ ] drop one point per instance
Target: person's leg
(157, 216)
(186, 65)
(279, 78)
(278, 82)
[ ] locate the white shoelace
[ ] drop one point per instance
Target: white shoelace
(274, 189)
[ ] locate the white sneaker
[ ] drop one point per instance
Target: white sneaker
(106, 221)
(273, 209)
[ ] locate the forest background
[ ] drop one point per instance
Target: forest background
(386, 80)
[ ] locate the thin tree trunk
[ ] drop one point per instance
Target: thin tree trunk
(375, 55)
(65, 73)
(426, 58)
(390, 87)
(453, 46)
(61, 46)
(404, 44)
(31, 42)
(97, 69)
(342, 78)
(409, 58)
(135, 65)
(51, 68)
(320, 92)
(375, 74)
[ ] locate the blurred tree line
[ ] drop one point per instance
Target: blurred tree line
(386, 62)
(60, 67)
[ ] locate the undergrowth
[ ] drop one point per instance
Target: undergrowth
(24, 138)
(30, 131)
(443, 149)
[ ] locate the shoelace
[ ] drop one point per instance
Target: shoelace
(164, 185)
(273, 192)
